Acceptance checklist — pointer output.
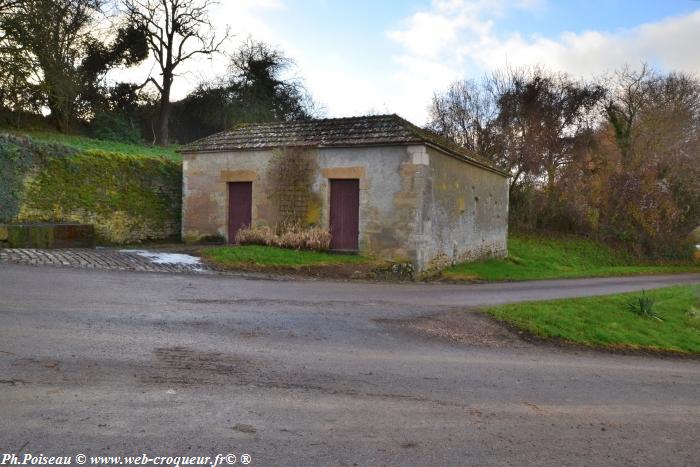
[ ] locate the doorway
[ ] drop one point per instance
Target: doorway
(240, 204)
(345, 214)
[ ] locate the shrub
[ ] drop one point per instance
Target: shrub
(292, 236)
(114, 127)
(298, 238)
(644, 306)
(317, 239)
(256, 236)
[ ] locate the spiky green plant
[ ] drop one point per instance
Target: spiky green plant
(643, 306)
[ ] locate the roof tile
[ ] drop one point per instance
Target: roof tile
(331, 132)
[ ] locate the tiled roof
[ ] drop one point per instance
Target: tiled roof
(376, 130)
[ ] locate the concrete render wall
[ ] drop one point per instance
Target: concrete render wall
(407, 209)
(464, 214)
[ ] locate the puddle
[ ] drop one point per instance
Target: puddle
(177, 259)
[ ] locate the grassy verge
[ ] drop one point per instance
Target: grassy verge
(267, 256)
(84, 143)
(542, 257)
(607, 321)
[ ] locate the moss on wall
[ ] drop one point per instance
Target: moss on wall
(127, 198)
(290, 174)
(17, 157)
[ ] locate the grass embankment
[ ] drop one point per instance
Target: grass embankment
(548, 257)
(607, 321)
(266, 256)
(83, 143)
(127, 197)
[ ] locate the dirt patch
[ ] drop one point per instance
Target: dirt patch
(477, 329)
(183, 366)
(464, 327)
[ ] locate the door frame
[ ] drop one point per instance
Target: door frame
(358, 180)
(231, 239)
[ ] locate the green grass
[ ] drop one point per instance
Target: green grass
(267, 256)
(548, 257)
(85, 143)
(607, 322)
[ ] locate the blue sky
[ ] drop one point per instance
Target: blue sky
(391, 56)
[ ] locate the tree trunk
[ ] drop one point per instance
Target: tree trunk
(163, 134)
(551, 179)
(58, 118)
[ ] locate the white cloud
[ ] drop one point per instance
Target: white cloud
(670, 44)
(450, 39)
(459, 38)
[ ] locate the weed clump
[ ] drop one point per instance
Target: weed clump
(644, 306)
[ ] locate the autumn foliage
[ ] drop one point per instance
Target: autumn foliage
(618, 159)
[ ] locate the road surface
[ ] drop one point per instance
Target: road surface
(320, 373)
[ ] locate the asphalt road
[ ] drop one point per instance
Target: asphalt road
(315, 373)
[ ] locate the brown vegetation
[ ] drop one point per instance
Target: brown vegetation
(293, 236)
(617, 160)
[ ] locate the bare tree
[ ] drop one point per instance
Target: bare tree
(546, 116)
(527, 121)
(629, 95)
(177, 31)
(465, 113)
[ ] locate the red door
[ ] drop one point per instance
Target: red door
(345, 214)
(240, 202)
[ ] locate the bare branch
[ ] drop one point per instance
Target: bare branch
(177, 31)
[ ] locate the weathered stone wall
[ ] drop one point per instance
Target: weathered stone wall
(387, 207)
(416, 204)
(387, 213)
(205, 194)
(464, 214)
(127, 198)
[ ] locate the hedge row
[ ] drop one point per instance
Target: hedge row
(128, 199)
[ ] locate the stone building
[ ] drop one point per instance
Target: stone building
(383, 187)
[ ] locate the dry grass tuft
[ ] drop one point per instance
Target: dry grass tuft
(293, 237)
(256, 236)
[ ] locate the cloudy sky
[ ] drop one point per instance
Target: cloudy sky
(360, 56)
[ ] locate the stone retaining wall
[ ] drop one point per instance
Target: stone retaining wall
(127, 198)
